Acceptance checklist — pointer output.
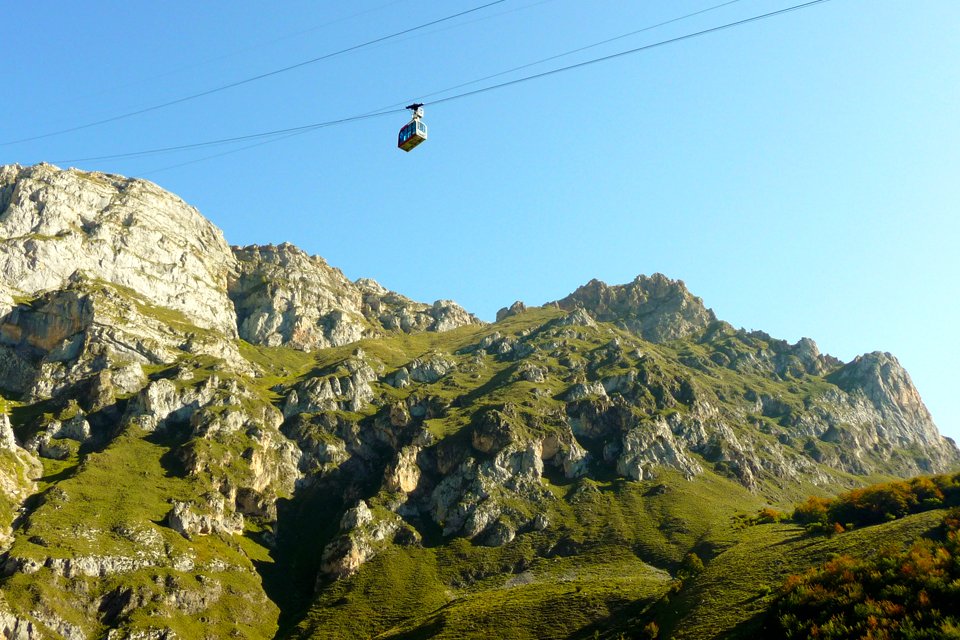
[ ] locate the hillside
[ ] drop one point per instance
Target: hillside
(205, 441)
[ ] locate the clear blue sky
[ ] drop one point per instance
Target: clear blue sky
(800, 174)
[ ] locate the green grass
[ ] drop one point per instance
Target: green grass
(655, 523)
(609, 559)
(608, 554)
(277, 364)
(114, 505)
(407, 593)
(729, 598)
(392, 587)
(560, 599)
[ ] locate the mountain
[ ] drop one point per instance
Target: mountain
(206, 441)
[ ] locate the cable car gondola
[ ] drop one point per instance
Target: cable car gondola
(415, 131)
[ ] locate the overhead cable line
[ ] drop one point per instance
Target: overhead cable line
(252, 78)
(485, 18)
(571, 52)
(283, 135)
(318, 125)
(219, 155)
(253, 136)
(621, 54)
(224, 56)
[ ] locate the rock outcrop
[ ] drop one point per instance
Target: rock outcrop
(19, 471)
(127, 232)
(57, 225)
(285, 297)
(91, 333)
(656, 308)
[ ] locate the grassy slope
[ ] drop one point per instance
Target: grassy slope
(614, 531)
(605, 557)
(604, 560)
(113, 505)
(729, 597)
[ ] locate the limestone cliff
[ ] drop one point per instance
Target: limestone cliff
(285, 297)
(128, 232)
(656, 308)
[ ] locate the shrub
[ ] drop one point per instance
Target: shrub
(878, 503)
(812, 511)
(692, 565)
(767, 515)
(651, 631)
(896, 594)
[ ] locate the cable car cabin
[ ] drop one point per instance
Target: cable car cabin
(412, 134)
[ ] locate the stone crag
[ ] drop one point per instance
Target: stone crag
(285, 297)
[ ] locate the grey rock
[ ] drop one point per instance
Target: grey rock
(514, 309)
(359, 516)
(431, 369)
(400, 378)
(651, 445)
(583, 390)
(211, 517)
(142, 634)
(620, 383)
(350, 392)
(562, 450)
(285, 297)
(362, 536)
(499, 534)
(46, 448)
(16, 628)
(59, 626)
(403, 474)
(8, 439)
(162, 401)
(532, 373)
(76, 428)
(655, 308)
(578, 317)
(69, 336)
(540, 522)
(127, 232)
(448, 315)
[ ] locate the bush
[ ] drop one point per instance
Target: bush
(651, 631)
(895, 594)
(878, 503)
(691, 566)
(767, 516)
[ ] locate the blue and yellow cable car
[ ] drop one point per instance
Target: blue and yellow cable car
(415, 131)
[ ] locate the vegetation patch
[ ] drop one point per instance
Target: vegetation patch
(912, 593)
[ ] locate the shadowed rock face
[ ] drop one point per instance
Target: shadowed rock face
(655, 307)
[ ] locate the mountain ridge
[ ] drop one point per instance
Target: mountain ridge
(293, 440)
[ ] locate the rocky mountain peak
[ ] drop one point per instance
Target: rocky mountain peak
(128, 232)
(654, 307)
(283, 296)
(56, 224)
(882, 379)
